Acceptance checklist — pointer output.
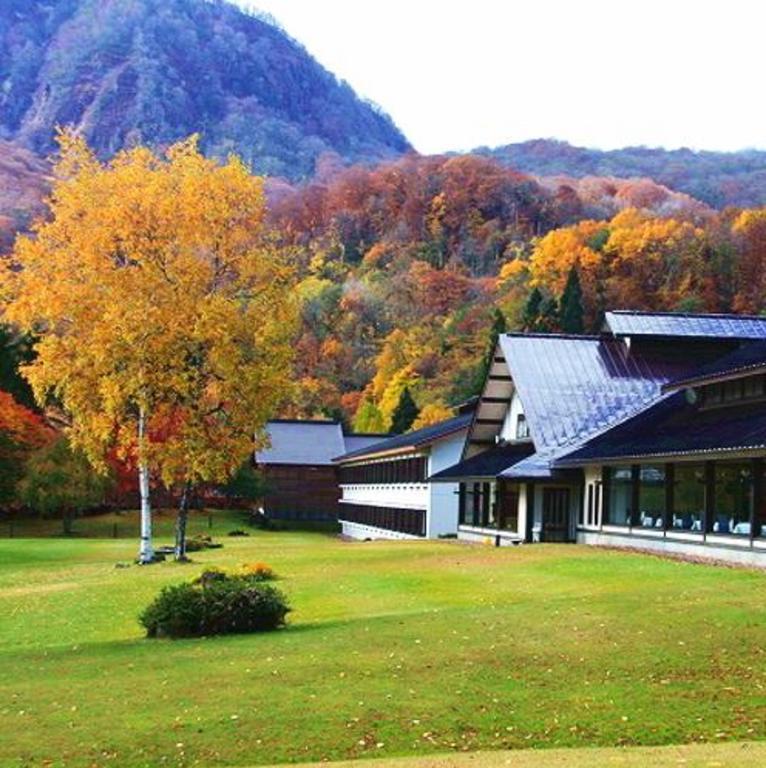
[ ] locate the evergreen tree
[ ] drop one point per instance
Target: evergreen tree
(531, 315)
(548, 321)
(15, 351)
(572, 320)
(405, 413)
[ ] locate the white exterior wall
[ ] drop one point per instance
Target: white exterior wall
(443, 501)
(742, 554)
(440, 501)
(508, 430)
(406, 495)
(484, 536)
(591, 518)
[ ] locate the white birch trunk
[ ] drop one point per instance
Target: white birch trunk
(146, 550)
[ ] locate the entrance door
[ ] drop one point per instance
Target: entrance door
(555, 514)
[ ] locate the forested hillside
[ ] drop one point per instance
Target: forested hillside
(23, 184)
(408, 267)
(155, 71)
(407, 264)
(717, 178)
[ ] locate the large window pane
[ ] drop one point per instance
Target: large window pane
(689, 497)
(760, 512)
(620, 495)
(733, 498)
(507, 502)
(651, 496)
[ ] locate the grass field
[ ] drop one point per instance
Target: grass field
(393, 649)
(731, 755)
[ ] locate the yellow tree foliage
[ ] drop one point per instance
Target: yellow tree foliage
(560, 250)
(404, 378)
(750, 229)
(390, 360)
(163, 314)
(659, 262)
(432, 413)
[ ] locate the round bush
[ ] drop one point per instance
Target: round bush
(215, 606)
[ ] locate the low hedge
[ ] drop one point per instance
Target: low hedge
(216, 603)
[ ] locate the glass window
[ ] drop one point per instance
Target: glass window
(620, 495)
(760, 512)
(522, 428)
(713, 394)
(507, 502)
(688, 497)
(473, 504)
(477, 505)
(651, 496)
(753, 386)
(733, 498)
(732, 390)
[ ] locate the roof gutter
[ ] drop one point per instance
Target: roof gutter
(730, 375)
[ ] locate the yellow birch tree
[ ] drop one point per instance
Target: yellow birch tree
(163, 315)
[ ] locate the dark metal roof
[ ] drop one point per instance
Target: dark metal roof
(315, 442)
(534, 467)
(488, 464)
(747, 360)
(302, 442)
(416, 439)
(357, 442)
(537, 467)
(672, 324)
(573, 387)
(674, 427)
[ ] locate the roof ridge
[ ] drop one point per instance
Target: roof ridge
(727, 315)
(303, 421)
(542, 335)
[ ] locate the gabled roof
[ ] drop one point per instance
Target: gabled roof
(410, 440)
(357, 442)
(302, 442)
(487, 464)
(573, 387)
(623, 323)
(537, 467)
(314, 443)
(675, 427)
(747, 360)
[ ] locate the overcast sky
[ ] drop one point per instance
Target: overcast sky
(599, 73)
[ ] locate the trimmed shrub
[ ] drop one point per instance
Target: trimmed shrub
(258, 571)
(215, 604)
(201, 541)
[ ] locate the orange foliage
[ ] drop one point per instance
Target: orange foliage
(24, 428)
(438, 291)
(750, 231)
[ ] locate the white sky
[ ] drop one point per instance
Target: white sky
(601, 73)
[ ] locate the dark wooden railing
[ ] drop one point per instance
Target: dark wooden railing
(411, 521)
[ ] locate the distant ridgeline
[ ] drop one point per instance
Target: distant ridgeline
(716, 178)
(155, 71)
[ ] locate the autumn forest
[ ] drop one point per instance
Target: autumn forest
(403, 267)
(407, 267)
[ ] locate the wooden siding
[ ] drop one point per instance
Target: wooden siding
(301, 492)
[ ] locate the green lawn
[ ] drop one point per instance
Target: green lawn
(730, 754)
(393, 649)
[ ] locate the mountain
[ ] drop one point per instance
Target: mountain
(154, 71)
(717, 178)
(24, 179)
